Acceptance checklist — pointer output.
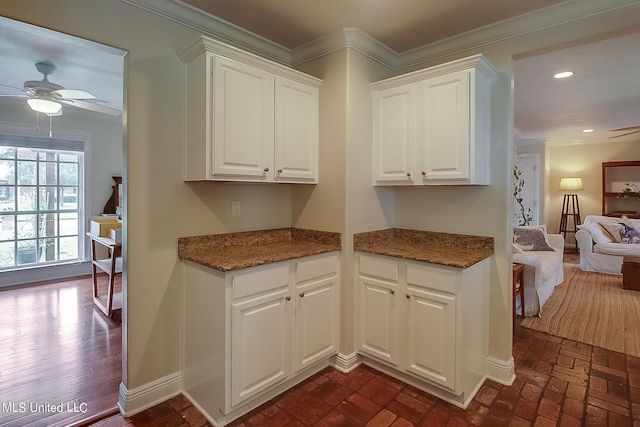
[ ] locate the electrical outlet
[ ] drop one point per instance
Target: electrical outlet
(235, 208)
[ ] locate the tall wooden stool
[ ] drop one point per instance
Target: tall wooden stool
(518, 288)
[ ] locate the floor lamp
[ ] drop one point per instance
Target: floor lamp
(570, 206)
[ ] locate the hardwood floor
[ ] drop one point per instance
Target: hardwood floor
(60, 357)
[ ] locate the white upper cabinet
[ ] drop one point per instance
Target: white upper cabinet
(247, 118)
(432, 127)
(296, 131)
(243, 120)
(395, 133)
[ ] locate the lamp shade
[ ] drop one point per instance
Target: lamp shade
(571, 183)
(43, 105)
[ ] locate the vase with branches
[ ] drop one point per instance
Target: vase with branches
(524, 214)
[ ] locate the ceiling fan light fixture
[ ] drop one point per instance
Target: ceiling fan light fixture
(563, 75)
(43, 105)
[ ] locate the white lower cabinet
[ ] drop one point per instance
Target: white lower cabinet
(424, 323)
(252, 333)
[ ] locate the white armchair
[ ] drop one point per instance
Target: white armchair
(543, 271)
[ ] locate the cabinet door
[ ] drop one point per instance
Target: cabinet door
(260, 343)
(431, 335)
(377, 335)
(444, 128)
(394, 135)
(243, 121)
(296, 132)
(317, 321)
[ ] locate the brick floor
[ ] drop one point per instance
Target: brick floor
(559, 383)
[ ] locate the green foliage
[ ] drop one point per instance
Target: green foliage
(524, 216)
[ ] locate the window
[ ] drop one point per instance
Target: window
(41, 188)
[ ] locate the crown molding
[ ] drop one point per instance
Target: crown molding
(214, 27)
(350, 37)
(354, 38)
(549, 17)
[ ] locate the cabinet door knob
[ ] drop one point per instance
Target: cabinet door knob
(409, 174)
(288, 298)
(424, 173)
(393, 291)
(279, 170)
(408, 296)
(301, 294)
(266, 169)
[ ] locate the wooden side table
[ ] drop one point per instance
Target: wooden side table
(518, 288)
(111, 266)
(631, 273)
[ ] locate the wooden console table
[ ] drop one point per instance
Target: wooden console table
(111, 266)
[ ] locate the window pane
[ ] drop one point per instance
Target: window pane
(69, 199)
(26, 173)
(66, 156)
(49, 225)
(7, 153)
(27, 153)
(68, 248)
(48, 173)
(69, 224)
(7, 172)
(50, 156)
(48, 250)
(27, 199)
(68, 174)
(48, 200)
(27, 226)
(7, 227)
(27, 252)
(7, 199)
(7, 254)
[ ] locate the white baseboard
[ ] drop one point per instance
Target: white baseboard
(144, 397)
(501, 371)
(346, 363)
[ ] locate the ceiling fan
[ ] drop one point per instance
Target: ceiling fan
(46, 97)
(632, 129)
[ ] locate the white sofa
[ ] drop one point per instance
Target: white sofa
(543, 271)
(598, 252)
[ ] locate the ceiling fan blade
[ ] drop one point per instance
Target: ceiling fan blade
(19, 89)
(72, 94)
(16, 96)
(627, 128)
(625, 134)
(91, 106)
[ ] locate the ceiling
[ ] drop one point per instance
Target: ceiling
(603, 94)
(80, 64)
(293, 23)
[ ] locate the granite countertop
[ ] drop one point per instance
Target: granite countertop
(234, 251)
(454, 250)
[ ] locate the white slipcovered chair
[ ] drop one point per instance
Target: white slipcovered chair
(543, 271)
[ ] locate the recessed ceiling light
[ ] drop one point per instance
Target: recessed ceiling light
(563, 75)
(587, 130)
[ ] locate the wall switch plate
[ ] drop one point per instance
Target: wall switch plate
(235, 208)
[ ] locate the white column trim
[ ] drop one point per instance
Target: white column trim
(131, 402)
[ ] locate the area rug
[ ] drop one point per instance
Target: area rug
(594, 309)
